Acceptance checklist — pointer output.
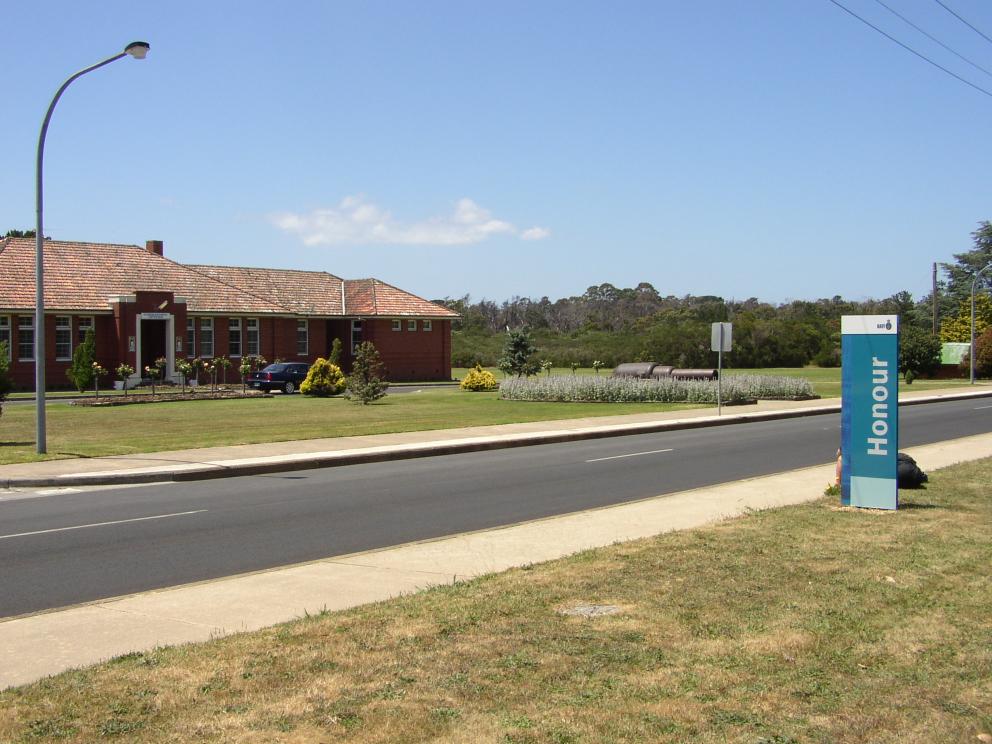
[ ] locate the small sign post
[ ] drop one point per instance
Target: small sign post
(869, 411)
(720, 339)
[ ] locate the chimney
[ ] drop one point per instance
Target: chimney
(155, 246)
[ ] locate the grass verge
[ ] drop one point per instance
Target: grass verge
(803, 624)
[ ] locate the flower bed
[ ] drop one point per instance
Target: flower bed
(590, 389)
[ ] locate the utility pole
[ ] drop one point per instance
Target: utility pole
(933, 295)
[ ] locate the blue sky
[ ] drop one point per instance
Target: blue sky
(777, 149)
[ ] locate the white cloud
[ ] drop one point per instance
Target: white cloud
(357, 221)
(535, 233)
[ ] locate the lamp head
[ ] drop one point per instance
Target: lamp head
(137, 49)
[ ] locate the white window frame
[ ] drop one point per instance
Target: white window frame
(411, 325)
(426, 325)
(397, 325)
(302, 326)
(190, 342)
(5, 335)
(234, 334)
(356, 327)
(253, 337)
(206, 338)
(22, 327)
(63, 326)
(83, 324)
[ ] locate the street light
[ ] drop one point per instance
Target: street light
(971, 351)
(138, 50)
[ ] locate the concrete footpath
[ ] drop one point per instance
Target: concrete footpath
(46, 643)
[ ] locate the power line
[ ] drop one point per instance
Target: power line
(963, 21)
(913, 51)
(934, 38)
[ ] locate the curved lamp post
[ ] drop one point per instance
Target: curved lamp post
(138, 50)
(971, 350)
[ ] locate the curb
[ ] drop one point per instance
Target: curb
(291, 463)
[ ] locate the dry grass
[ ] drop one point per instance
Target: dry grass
(806, 624)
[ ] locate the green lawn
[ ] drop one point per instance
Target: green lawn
(76, 431)
(801, 624)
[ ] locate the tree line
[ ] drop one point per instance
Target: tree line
(615, 324)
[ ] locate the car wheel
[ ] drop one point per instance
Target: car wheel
(289, 388)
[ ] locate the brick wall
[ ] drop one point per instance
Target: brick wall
(412, 355)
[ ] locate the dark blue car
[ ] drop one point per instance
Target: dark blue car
(279, 376)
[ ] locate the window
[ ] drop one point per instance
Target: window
(251, 333)
(302, 340)
(63, 338)
(411, 325)
(190, 337)
(206, 337)
(356, 334)
(397, 325)
(83, 325)
(5, 332)
(426, 325)
(234, 337)
(25, 338)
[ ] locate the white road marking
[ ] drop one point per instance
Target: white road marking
(103, 524)
(632, 454)
(982, 408)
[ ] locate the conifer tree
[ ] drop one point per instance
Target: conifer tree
(366, 382)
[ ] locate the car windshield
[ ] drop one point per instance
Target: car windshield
(275, 368)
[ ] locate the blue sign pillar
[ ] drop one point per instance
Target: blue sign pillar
(869, 410)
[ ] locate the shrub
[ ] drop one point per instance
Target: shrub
(5, 382)
(591, 389)
(83, 356)
(323, 379)
(335, 357)
(479, 380)
(366, 382)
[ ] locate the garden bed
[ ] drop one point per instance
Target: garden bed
(168, 397)
(584, 389)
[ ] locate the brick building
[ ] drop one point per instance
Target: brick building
(143, 306)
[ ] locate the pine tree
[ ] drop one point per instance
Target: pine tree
(518, 354)
(366, 381)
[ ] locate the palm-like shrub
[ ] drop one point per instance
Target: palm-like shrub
(323, 379)
(479, 380)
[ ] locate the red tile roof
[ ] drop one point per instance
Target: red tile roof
(371, 297)
(305, 292)
(84, 276)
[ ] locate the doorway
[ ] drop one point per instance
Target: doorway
(153, 344)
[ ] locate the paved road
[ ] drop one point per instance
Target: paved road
(65, 547)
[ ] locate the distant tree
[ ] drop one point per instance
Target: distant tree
(5, 382)
(958, 326)
(367, 382)
(519, 354)
(80, 372)
(21, 233)
(335, 355)
(919, 352)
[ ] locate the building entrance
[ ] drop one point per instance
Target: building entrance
(152, 343)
